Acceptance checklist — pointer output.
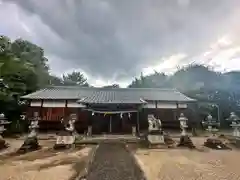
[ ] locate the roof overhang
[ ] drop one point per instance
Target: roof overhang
(111, 112)
(112, 102)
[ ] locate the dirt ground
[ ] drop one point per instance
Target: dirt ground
(44, 164)
(184, 164)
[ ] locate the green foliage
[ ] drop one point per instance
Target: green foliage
(201, 83)
(23, 69)
(74, 78)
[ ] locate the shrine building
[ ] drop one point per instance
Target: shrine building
(106, 110)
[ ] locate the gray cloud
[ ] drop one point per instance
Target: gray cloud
(116, 39)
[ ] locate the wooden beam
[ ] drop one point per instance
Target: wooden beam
(110, 124)
(65, 109)
(138, 128)
(177, 114)
(41, 109)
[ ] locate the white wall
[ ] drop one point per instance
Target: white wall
(47, 103)
(165, 105)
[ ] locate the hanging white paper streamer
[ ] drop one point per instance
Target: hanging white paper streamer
(121, 115)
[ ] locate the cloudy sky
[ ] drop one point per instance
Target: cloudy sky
(115, 40)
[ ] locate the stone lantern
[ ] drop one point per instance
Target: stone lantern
(183, 124)
(31, 142)
(235, 124)
(212, 125)
(213, 141)
(185, 140)
(3, 122)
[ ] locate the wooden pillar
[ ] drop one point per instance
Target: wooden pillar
(138, 128)
(110, 124)
(177, 111)
(65, 110)
(29, 110)
(41, 110)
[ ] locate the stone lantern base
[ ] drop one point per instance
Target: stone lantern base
(169, 141)
(185, 141)
(30, 144)
(65, 140)
(215, 143)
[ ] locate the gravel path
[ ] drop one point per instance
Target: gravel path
(112, 161)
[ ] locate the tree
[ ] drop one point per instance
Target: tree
(55, 81)
(75, 78)
(23, 69)
(201, 83)
(112, 86)
(28, 52)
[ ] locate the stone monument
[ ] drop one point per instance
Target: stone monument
(185, 140)
(66, 138)
(213, 141)
(3, 122)
(31, 142)
(155, 134)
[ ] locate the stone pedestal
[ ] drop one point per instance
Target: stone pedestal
(155, 138)
(185, 141)
(236, 132)
(3, 143)
(155, 134)
(89, 131)
(64, 140)
(30, 144)
(168, 140)
(134, 131)
(3, 122)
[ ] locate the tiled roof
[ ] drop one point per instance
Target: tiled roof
(109, 95)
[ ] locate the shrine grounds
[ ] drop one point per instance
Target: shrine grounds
(157, 164)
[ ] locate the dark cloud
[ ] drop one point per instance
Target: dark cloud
(117, 38)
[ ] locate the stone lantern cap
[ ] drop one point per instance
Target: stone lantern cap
(182, 117)
(212, 121)
(2, 116)
(233, 117)
(3, 119)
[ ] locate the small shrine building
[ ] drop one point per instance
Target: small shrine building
(107, 110)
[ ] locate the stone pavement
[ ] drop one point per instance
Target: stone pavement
(112, 161)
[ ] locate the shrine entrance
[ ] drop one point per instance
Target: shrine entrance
(113, 122)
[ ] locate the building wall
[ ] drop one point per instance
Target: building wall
(51, 112)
